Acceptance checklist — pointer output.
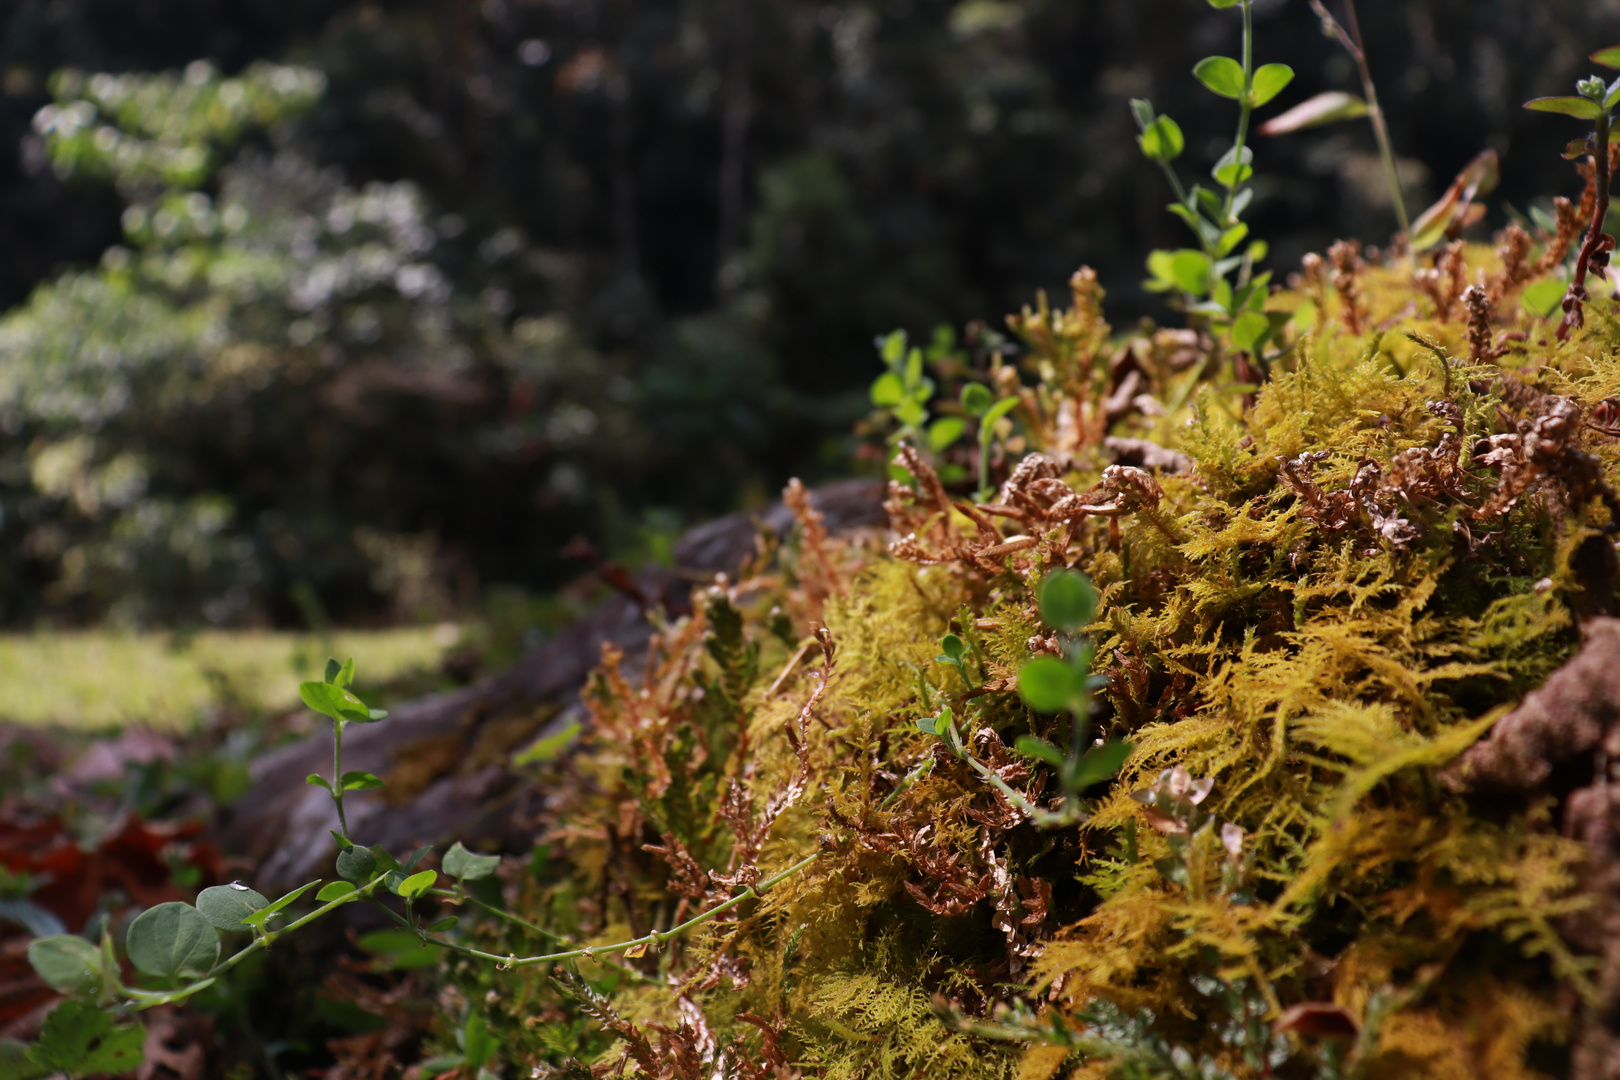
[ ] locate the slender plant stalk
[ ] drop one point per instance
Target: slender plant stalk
(654, 939)
(1375, 115)
(337, 775)
(1574, 317)
(1245, 107)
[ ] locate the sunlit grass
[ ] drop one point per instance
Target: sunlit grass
(102, 678)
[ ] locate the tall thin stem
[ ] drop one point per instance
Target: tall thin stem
(1245, 107)
(337, 775)
(1375, 114)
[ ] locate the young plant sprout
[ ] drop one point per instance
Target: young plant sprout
(1595, 101)
(1215, 215)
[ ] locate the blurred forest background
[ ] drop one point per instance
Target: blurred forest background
(364, 309)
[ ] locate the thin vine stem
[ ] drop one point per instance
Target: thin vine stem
(654, 939)
(146, 999)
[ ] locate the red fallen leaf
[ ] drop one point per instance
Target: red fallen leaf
(134, 860)
(1318, 1020)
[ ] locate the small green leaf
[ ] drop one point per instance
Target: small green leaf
(79, 1039)
(1190, 271)
(1609, 58)
(332, 669)
(357, 864)
(1542, 298)
(1162, 140)
(463, 865)
(928, 725)
(887, 390)
(945, 431)
(360, 781)
(1231, 238)
(15, 1064)
(1049, 685)
(385, 858)
(340, 674)
(1221, 74)
(1039, 749)
(226, 905)
(447, 923)
(952, 646)
(987, 422)
(477, 1042)
(548, 748)
(68, 964)
(976, 398)
(1142, 111)
(332, 890)
(416, 885)
(1233, 168)
(374, 715)
(1099, 763)
(1249, 330)
(400, 949)
(172, 938)
(262, 917)
(343, 842)
(335, 702)
(892, 347)
(1578, 107)
(1269, 81)
(1222, 5)
(1068, 600)
(317, 780)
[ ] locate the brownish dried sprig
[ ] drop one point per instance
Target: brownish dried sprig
(1345, 257)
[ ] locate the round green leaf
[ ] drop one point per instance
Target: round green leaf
(356, 864)
(1249, 329)
(1269, 82)
(1189, 269)
(952, 646)
(226, 905)
(976, 398)
(171, 938)
(463, 865)
(888, 391)
(1222, 74)
(1578, 107)
(945, 431)
(1162, 140)
(1067, 600)
(68, 964)
(1047, 684)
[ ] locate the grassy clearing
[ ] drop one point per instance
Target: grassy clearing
(103, 678)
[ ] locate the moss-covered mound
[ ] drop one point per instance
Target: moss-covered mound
(1319, 585)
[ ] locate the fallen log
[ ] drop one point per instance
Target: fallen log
(445, 757)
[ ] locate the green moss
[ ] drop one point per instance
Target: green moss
(1317, 637)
